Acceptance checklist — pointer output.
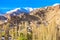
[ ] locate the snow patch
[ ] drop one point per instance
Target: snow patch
(56, 4)
(13, 10)
(30, 9)
(46, 7)
(26, 8)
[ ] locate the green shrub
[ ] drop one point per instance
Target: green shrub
(22, 37)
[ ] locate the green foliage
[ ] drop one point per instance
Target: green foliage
(29, 36)
(3, 33)
(22, 37)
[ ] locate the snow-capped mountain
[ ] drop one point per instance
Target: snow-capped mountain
(18, 11)
(56, 4)
(29, 9)
(26, 10)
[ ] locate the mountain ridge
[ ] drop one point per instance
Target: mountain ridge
(41, 12)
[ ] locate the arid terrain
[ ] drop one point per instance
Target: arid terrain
(39, 24)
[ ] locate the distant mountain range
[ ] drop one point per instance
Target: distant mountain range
(32, 21)
(26, 10)
(6, 13)
(27, 13)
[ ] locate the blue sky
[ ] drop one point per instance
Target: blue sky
(26, 3)
(6, 5)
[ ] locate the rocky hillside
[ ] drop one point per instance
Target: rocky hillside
(42, 14)
(42, 22)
